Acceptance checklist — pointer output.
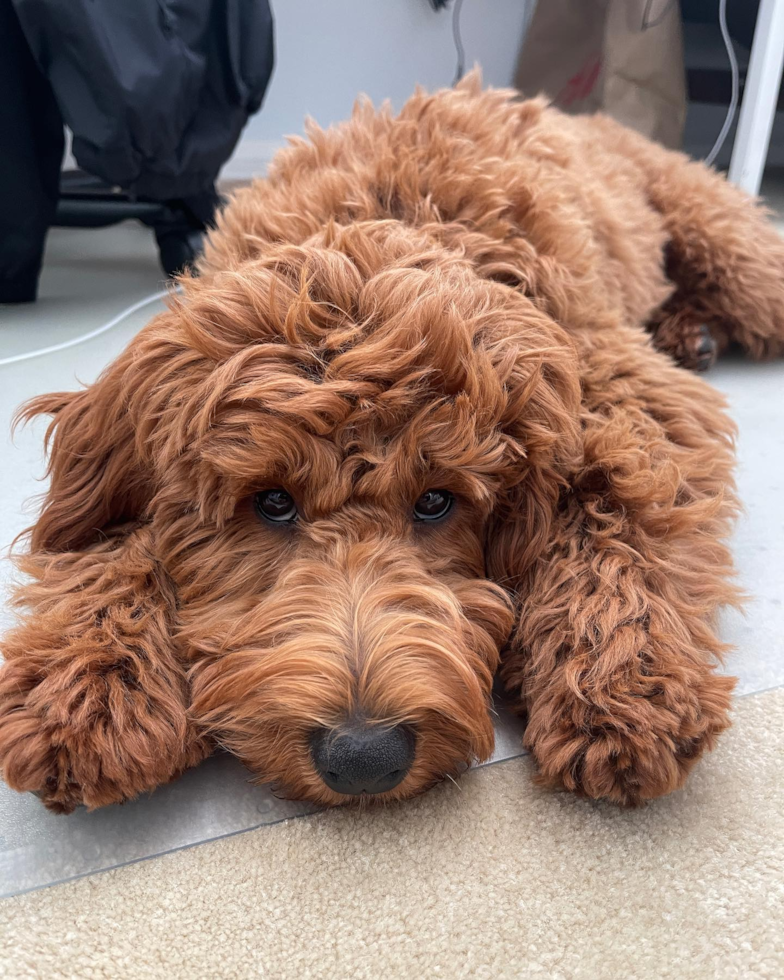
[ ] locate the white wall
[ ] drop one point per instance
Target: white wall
(329, 51)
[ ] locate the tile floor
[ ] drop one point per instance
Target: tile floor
(89, 277)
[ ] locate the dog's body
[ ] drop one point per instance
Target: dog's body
(408, 416)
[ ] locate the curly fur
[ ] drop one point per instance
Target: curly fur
(454, 297)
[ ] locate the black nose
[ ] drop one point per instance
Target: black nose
(363, 758)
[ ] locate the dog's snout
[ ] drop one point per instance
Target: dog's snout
(363, 758)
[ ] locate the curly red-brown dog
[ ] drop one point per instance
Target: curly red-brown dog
(417, 420)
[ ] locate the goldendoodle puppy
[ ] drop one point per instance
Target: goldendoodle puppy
(418, 419)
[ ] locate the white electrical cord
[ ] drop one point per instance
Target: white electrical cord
(733, 106)
(457, 37)
(93, 333)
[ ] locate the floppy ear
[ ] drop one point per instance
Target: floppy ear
(542, 427)
(98, 479)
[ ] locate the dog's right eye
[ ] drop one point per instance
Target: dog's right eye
(276, 505)
(433, 505)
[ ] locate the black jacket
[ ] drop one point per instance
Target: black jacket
(155, 92)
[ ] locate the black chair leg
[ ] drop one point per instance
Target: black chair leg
(181, 227)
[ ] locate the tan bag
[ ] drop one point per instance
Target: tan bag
(624, 57)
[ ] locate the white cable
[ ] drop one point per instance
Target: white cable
(88, 336)
(457, 37)
(733, 106)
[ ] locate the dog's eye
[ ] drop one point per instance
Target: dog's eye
(276, 505)
(433, 505)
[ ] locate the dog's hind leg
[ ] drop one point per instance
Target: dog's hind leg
(93, 700)
(724, 257)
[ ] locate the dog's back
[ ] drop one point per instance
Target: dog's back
(532, 196)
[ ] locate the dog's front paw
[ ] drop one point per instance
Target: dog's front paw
(90, 738)
(631, 746)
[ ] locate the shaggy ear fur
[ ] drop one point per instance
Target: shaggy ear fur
(543, 423)
(97, 477)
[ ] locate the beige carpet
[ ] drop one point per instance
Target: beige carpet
(492, 879)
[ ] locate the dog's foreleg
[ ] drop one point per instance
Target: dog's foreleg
(93, 701)
(613, 658)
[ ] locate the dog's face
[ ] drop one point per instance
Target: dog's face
(350, 632)
(350, 451)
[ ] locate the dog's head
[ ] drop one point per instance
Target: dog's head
(349, 452)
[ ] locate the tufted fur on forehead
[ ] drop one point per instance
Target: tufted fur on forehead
(370, 355)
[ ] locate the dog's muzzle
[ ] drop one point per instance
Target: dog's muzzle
(363, 758)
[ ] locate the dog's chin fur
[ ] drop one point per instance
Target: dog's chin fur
(452, 299)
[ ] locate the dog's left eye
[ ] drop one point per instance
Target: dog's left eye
(433, 505)
(276, 505)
